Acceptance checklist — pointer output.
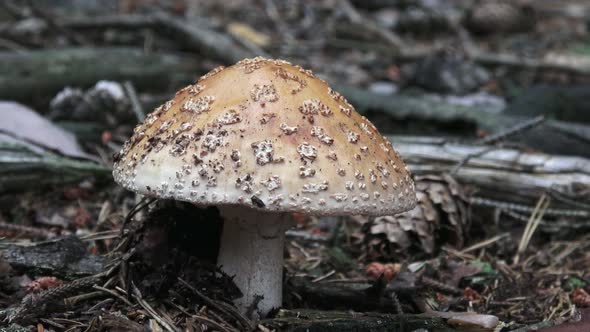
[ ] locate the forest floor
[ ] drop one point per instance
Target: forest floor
(485, 100)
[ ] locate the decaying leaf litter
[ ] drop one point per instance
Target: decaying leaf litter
(500, 225)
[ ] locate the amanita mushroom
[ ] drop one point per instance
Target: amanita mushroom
(261, 139)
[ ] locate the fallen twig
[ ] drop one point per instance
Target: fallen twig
(222, 307)
(518, 128)
(151, 311)
(509, 206)
(34, 232)
(391, 39)
(440, 286)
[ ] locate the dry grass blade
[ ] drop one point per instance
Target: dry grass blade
(532, 225)
(325, 276)
(484, 243)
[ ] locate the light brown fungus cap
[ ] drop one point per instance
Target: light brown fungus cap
(268, 129)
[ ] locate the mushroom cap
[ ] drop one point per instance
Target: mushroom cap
(269, 135)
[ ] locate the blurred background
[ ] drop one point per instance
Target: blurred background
(487, 101)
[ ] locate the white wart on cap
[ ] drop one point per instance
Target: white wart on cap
(269, 135)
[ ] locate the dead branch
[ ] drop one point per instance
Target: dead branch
(209, 42)
(502, 173)
(21, 168)
(433, 108)
(323, 321)
(196, 35)
(67, 257)
(47, 71)
(32, 306)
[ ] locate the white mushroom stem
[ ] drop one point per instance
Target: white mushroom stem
(252, 251)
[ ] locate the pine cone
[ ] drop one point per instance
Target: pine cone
(439, 217)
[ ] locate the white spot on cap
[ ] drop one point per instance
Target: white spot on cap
(359, 175)
(199, 105)
(245, 183)
(212, 181)
(264, 93)
(272, 183)
(315, 188)
(312, 107)
(229, 117)
(211, 73)
(288, 130)
(307, 151)
(332, 155)
(339, 197)
(352, 137)
(301, 83)
(320, 133)
(349, 185)
(212, 141)
(383, 170)
(266, 117)
(345, 110)
(372, 176)
(306, 172)
(263, 152)
(251, 65)
(366, 129)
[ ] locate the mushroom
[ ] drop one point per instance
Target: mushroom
(259, 140)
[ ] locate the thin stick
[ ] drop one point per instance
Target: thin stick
(481, 201)
(501, 136)
(392, 40)
(71, 301)
(518, 128)
(221, 306)
(113, 293)
(145, 202)
(468, 157)
(135, 104)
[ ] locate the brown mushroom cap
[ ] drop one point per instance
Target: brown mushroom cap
(269, 135)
